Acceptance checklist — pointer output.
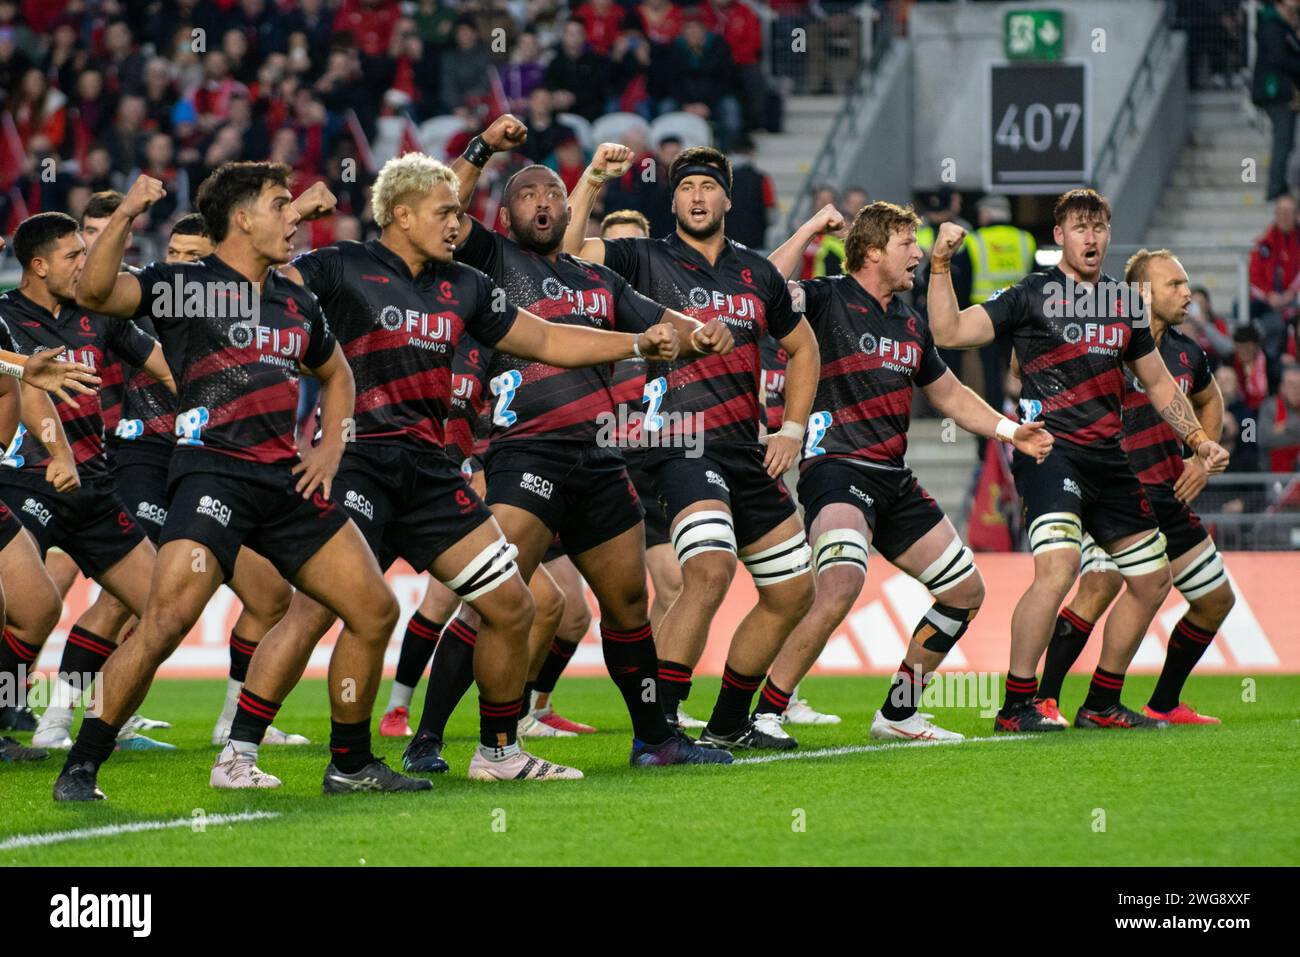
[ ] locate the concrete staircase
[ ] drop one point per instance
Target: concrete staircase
(787, 157)
(1207, 214)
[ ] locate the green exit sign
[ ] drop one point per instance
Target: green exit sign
(1033, 34)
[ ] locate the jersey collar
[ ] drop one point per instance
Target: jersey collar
(683, 248)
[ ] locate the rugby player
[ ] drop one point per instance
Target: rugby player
(1074, 329)
(855, 486)
(1171, 482)
(548, 471)
(69, 498)
(722, 493)
(236, 476)
(399, 306)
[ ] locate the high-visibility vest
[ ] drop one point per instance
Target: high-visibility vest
(830, 246)
(925, 238)
(1000, 255)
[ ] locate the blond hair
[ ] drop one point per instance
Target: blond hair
(402, 176)
(1139, 264)
(625, 217)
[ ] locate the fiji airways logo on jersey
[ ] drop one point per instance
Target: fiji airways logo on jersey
(435, 332)
(894, 354)
(1101, 338)
(282, 347)
(733, 310)
(593, 303)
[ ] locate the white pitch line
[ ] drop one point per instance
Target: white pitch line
(112, 830)
(867, 748)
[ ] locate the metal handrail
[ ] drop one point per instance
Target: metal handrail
(1125, 124)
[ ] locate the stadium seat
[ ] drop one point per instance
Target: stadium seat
(582, 126)
(614, 127)
(691, 129)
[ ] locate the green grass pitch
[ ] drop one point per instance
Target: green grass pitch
(1186, 796)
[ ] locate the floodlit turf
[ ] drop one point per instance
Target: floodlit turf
(1187, 796)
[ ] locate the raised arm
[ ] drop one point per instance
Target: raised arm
(611, 161)
(953, 328)
(338, 393)
(951, 398)
(1177, 410)
(573, 347)
(789, 254)
(103, 287)
(506, 133)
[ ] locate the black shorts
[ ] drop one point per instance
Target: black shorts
(408, 503)
(90, 523)
(227, 511)
(1099, 487)
(1181, 526)
(580, 491)
(730, 473)
(898, 511)
(656, 522)
(143, 486)
(9, 526)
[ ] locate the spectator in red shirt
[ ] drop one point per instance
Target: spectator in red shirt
(1250, 366)
(1275, 282)
(39, 110)
(740, 27)
(603, 20)
(661, 21)
(370, 21)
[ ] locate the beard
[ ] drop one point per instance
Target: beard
(542, 242)
(707, 231)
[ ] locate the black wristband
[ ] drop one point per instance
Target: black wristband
(477, 153)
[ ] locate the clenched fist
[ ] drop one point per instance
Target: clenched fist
(713, 338)
(611, 161)
(316, 201)
(506, 133)
(144, 192)
(659, 342)
(947, 242)
(828, 219)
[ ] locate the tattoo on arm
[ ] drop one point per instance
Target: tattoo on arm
(1180, 415)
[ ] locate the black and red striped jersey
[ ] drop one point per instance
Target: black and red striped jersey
(715, 394)
(235, 354)
(628, 390)
(1154, 451)
(400, 334)
(532, 400)
(468, 421)
(1073, 340)
(774, 361)
(112, 390)
(89, 338)
(147, 415)
(872, 356)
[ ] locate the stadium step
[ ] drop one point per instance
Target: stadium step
(788, 156)
(1208, 214)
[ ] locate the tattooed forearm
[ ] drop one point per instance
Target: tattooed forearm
(1180, 415)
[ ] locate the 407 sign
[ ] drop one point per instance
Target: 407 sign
(1037, 127)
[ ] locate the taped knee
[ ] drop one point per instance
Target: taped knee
(840, 546)
(943, 626)
(779, 563)
(1143, 557)
(1203, 575)
(487, 570)
(1096, 560)
(1055, 530)
(956, 564)
(704, 532)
